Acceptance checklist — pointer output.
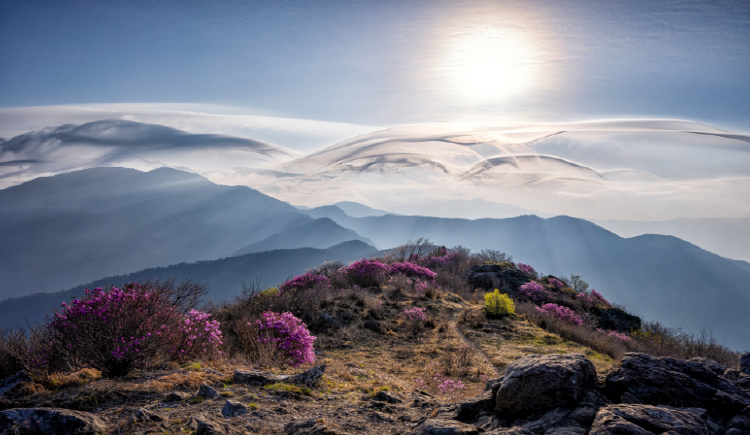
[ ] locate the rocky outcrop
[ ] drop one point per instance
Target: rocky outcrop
(307, 378)
(696, 383)
(543, 382)
(177, 396)
(50, 421)
(745, 363)
(446, 427)
(647, 420)
(13, 383)
(618, 320)
(488, 276)
(310, 427)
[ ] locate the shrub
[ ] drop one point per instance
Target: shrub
(327, 269)
(593, 299)
(366, 272)
(576, 283)
(525, 268)
(614, 334)
(498, 305)
(415, 314)
(534, 291)
(289, 335)
(556, 283)
(562, 313)
(412, 271)
(304, 281)
(117, 330)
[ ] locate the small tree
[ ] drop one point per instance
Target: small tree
(498, 305)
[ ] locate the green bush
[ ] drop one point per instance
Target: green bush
(498, 305)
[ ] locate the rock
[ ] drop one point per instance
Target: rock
(509, 431)
(446, 427)
(542, 382)
(647, 420)
(309, 427)
(207, 392)
(375, 326)
(256, 377)
(741, 421)
(382, 396)
(618, 320)
(309, 378)
(177, 396)
(50, 421)
(207, 427)
(745, 363)
(489, 276)
(9, 385)
(563, 420)
(738, 378)
(684, 384)
(323, 321)
(143, 415)
(472, 409)
(232, 408)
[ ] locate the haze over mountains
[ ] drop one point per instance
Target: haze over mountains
(67, 230)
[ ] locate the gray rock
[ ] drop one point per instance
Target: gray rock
(472, 409)
(509, 431)
(741, 421)
(308, 378)
(207, 427)
(309, 427)
(542, 382)
(177, 396)
(256, 377)
(567, 420)
(709, 364)
(446, 427)
(618, 320)
(143, 415)
(382, 396)
(207, 392)
(745, 363)
(232, 408)
(738, 378)
(684, 384)
(375, 326)
(646, 420)
(8, 385)
(50, 421)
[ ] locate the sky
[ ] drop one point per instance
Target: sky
(602, 109)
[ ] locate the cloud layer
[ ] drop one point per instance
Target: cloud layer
(627, 169)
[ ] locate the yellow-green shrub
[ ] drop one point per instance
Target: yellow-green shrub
(498, 305)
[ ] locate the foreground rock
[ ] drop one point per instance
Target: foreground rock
(646, 419)
(13, 383)
(542, 382)
(232, 409)
(697, 383)
(310, 427)
(307, 378)
(50, 421)
(446, 427)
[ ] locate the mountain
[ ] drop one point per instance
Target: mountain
(728, 237)
(224, 277)
(658, 277)
(476, 208)
(318, 233)
(56, 232)
(355, 209)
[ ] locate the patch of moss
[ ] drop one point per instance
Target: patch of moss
(288, 388)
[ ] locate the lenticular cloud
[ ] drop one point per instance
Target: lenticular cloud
(635, 169)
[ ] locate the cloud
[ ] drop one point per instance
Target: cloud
(634, 169)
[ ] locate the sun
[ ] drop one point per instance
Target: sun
(490, 63)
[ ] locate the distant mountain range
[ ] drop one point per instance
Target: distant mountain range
(224, 278)
(61, 231)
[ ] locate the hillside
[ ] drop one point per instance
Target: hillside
(58, 232)
(224, 278)
(657, 277)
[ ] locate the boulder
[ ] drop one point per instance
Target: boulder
(509, 431)
(654, 381)
(488, 276)
(562, 420)
(309, 427)
(232, 408)
(177, 396)
(745, 363)
(738, 378)
(375, 326)
(472, 409)
(382, 396)
(618, 320)
(50, 421)
(207, 392)
(13, 383)
(647, 420)
(256, 377)
(446, 427)
(143, 415)
(741, 421)
(541, 382)
(308, 378)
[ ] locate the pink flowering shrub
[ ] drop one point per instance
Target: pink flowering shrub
(366, 272)
(117, 330)
(616, 335)
(289, 335)
(562, 313)
(304, 281)
(593, 299)
(525, 268)
(421, 286)
(534, 291)
(415, 314)
(439, 383)
(556, 283)
(412, 271)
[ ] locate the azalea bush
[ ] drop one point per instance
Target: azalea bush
(525, 268)
(534, 291)
(288, 335)
(415, 314)
(305, 281)
(556, 283)
(118, 330)
(366, 272)
(560, 312)
(592, 299)
(616, 335)
(412, 270)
